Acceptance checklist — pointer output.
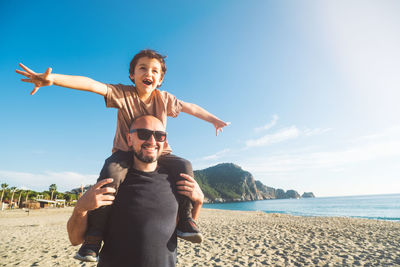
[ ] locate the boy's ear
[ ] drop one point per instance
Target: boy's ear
(159, 84)
(132, 76)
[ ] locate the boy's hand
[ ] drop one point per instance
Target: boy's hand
(38, 79)
(218, 124)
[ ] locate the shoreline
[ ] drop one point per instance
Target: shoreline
(374, 207)
(396, 220)
(231, 238)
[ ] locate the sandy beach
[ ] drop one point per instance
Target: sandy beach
(232, 238)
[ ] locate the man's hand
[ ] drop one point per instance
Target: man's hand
(95, 197)
(190, 188)
(218, 124)
(38, 79)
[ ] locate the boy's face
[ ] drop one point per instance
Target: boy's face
(148, 75)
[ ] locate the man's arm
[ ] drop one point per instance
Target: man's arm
(94, 198)
(76, 227)
(74, 82)
(192, 190)
(203, 114)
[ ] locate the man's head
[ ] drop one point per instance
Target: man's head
(147, 60)
(147, 136)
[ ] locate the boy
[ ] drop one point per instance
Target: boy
(147, 70)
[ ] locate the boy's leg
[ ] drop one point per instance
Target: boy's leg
(187, 228)
(116, 167)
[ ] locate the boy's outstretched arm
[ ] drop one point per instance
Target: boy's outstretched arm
(74, 82)
(203, 114)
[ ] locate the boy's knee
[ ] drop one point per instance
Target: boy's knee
(185, 166)
(117, 171)
(115, 168)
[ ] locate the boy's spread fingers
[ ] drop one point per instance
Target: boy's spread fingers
(26, 68)
(47, 73)
(23, 73)
(27, 80)
(35, 90)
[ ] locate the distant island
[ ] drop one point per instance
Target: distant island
(228, 182)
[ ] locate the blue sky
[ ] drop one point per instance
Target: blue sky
(311, 88)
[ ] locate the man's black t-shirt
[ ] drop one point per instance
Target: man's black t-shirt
(141, 229)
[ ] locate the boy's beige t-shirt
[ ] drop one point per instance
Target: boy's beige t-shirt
(129, 105)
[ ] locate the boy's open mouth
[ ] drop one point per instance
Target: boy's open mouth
(147, 82)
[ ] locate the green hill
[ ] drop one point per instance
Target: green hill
(228, 182)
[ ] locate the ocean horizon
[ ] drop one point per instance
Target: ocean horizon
(378, 207)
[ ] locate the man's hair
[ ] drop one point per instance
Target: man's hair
(141, 117)
(150, 54)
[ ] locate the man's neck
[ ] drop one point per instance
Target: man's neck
(143, 166)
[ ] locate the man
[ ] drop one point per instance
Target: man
(141, 229)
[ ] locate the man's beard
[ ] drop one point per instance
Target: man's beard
(146, 159)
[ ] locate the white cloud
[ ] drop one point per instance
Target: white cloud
(217, 155)
(41, 181)
(282, 135)
(316, 131)
(268, 125)
(389, 133)
(289, 163)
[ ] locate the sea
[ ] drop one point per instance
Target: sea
(379, 207)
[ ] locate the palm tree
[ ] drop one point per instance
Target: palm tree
(13, 190)
(52, 188)
(19, 198)
(27, 195)
(3, 187)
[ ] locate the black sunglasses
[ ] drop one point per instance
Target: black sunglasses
(144, 134)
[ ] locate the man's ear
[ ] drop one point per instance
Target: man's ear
(128, 137)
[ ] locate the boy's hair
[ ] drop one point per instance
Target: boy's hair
(150, 54)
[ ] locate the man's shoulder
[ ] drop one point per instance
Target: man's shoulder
(162, 170)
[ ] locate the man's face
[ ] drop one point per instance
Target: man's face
(148, 75)
(146, 139)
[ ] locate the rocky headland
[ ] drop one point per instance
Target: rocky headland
(228, 182)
